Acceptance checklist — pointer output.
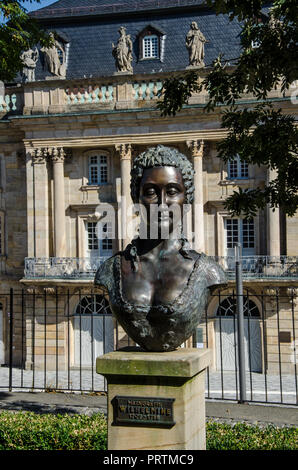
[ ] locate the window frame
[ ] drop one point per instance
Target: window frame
(150, 37)
(101, 246)
(87, 180)
(241, 167)
(151, 31)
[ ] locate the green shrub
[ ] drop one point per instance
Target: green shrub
(31, 431)
(246, 437)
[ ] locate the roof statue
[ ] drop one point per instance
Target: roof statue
(52, 59)
(122, 52)
(195, 42)
(29, 59)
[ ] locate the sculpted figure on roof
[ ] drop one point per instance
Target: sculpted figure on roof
(195, 42)
(122, 52)
(29, 59)
(52, 59)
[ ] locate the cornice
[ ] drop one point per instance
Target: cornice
(133, 139)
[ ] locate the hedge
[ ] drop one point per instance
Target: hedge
(31, 431)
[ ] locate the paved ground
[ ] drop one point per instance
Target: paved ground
(260, 388)
(73, 403)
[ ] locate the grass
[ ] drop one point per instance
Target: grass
(31, 431)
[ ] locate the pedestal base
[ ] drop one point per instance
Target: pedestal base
(155, 400)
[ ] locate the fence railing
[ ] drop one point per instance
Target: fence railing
(62, 268)
(50, 338)
(266, 267)
(262, 266)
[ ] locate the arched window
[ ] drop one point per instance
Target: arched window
(93, 305)
(227, 308)
(98, 169)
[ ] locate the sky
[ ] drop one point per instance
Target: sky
(36, 6)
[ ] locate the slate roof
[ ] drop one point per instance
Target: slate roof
(90, 41)
(67, 8)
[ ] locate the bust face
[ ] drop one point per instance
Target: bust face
(162, 187)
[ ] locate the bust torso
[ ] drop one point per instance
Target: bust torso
(157, 281)
(162, 311)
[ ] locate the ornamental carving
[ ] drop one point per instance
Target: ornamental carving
(196, 147)
(57, 154)
(195, 43)
(124, 151)
(39, 155)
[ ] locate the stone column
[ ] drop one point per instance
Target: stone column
(58, 156)
(37, 203)
(125, 158)
(273, 226)
(197, 150)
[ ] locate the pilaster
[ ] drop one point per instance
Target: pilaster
(196, 148)
(124, 151)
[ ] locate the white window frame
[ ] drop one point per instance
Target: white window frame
(149, 47)
(238, 169)
(98, 164)
(245, 233)
(98, 243)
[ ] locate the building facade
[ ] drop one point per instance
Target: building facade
(70, 127)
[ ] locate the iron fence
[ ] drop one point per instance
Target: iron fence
(50, 338)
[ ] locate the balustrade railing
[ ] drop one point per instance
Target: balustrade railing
(262, 266)
(90, 94)
(62, 268)
(8, 103)
(267, 267)
(147, 90)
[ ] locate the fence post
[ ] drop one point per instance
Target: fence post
(10, 338)
(240, 323)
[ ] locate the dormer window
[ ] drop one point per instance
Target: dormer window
(151, 47)
(151, 43)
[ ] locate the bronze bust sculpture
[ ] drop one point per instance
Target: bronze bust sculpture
(158, 287)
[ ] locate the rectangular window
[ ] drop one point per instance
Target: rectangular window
(150, 47)
(98, 169)
(107, 243)
(240, 231)
(237, 169)
(232, 232)
(248, 235)
(92, 236)
(99, 239)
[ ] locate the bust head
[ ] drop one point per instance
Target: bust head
(162, 170)
(161, 156)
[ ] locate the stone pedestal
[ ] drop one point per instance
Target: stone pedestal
(156, 401)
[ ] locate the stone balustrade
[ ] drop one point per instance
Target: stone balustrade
(59, 97)
(146, 90)
(90, 94)
(8, 103)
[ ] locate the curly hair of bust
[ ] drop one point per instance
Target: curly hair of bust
(158, 157)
